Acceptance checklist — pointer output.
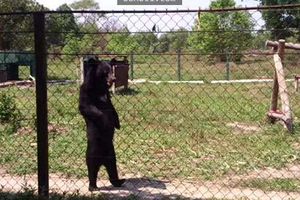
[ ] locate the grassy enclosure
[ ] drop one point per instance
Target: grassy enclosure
(193, 118)
(182, 130)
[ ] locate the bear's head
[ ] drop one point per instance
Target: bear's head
(100, 75)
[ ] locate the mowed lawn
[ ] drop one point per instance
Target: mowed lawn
(160, 67)
(168, 130)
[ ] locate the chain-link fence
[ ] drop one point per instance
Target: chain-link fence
(195, 107)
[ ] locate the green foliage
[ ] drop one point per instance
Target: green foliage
(122, 42)
(10, 25)
(85, 4)
(9, 113)
(260, 38)
(222, 32)
(164, 43)
(173, 40)
(72, 46)
(281, 21)
(59, 24)
(145, 42)
(19, 5)
(178, 39)
(79, 45)
(86, 44)
(222, 4)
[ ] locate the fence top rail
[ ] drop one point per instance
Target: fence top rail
(269, 7)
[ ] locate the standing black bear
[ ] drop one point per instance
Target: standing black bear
(101, 119)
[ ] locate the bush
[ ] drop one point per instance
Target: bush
(9, 113)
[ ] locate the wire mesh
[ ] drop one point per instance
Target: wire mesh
(193, 117)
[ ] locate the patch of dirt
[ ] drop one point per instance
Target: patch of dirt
(292, 172)
(241, 127)
(149, 188)
(296, 145)
(2, 171)
(52, 127)
(26, 130)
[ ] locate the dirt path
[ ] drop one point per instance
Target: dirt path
(158, 189)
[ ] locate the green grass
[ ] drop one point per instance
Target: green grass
(165, 68)
(58, 69)
(276, 184)
(168, 130)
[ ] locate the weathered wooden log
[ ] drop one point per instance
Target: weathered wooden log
(280, 88)
(275, 44)
(296, 82)
(274, 97)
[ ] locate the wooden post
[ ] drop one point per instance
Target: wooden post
(125, 74)
(113, 87)
(131, 65)
(227, 64)
(280, 52)
(81, 72)
(274, 97)
(280, 88)
(283, 90)
(296, 82)
(178, 64)
(286, 111)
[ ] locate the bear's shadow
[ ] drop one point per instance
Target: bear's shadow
(137, 183)
(127, 92)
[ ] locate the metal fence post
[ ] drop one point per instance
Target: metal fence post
(131, 65)
(227, 64)
(41, 103)
(178, 64)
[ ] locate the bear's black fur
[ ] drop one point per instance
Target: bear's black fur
(101, 119)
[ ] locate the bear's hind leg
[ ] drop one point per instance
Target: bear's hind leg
(111, 169)
(93, 167)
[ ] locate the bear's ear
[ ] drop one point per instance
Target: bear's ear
(92, 61)
(113, 62)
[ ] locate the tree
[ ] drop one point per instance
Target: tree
(283, 21)
(178, 39)
(121, 42)
(145, 42)
(164, 43)
(219, 33)
(90, 19)
(259, 39)
(173, 40)
(74, 45)
(85, 5)
(60, 25)
(95, 42)
(11, 24)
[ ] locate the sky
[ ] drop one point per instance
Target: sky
(145, 22)
(112, 4)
